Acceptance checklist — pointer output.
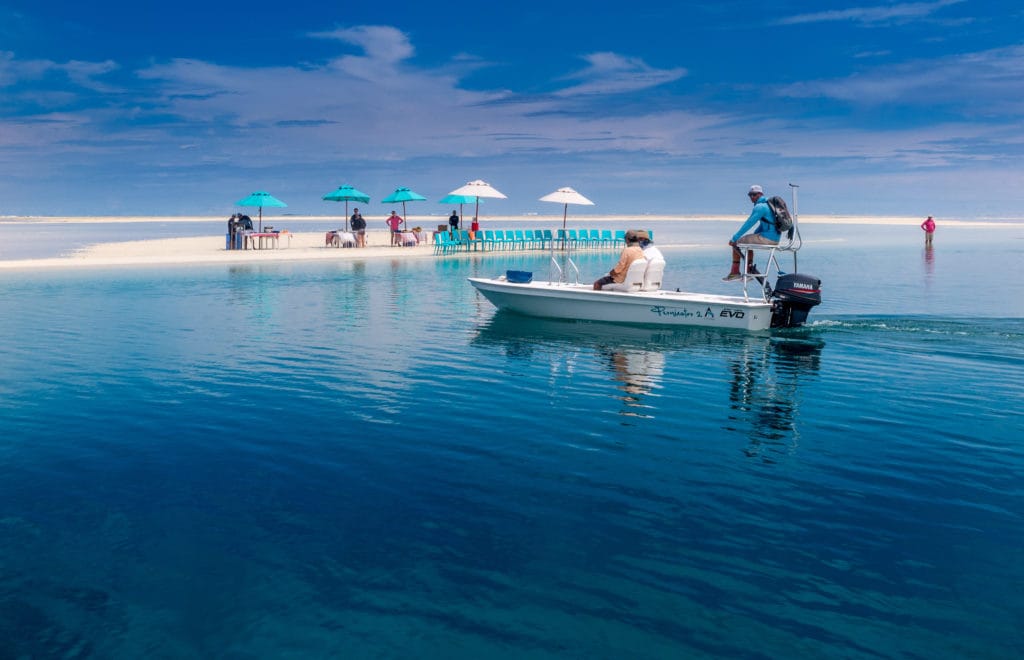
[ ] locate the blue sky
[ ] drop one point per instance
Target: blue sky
(124, 108)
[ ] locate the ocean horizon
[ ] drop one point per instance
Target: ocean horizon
(362, 458)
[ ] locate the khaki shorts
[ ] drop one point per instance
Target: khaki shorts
(756, 239)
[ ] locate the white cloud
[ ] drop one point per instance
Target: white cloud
(82, 74)
(610, 73)
(896, 13)
(988, 81)
(384, 48)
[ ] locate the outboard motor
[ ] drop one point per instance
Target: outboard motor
(794, 296)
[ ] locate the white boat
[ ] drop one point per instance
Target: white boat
(547, 299)
(640, 299)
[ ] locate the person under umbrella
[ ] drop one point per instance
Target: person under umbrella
(477, 189)
(260, 199)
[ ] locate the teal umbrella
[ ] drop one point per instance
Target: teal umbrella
(261, 199)
(347, 193)
(403, 195)
(458, 199)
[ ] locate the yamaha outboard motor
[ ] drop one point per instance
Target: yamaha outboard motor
(794, 296)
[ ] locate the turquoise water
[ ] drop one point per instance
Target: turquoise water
(365, 460)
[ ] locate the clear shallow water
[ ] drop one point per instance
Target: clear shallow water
(365, 460)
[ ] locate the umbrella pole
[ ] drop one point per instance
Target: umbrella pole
(565, 212)
(346, 215)
(261, 223)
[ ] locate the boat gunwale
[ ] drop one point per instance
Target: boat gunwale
(572, 290)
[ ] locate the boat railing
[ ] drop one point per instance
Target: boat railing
(560, 272)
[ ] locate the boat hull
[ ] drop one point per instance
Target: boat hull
(580, 302)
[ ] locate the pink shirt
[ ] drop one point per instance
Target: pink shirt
(928, 225)
(394, 222)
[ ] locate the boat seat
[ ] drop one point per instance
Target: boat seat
(634, 278)
(652, 275)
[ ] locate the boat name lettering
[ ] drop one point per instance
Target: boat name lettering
(734, 313)
(661, 310)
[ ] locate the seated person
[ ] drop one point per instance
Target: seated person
(629, 254)
(764, 233)
(651, 253)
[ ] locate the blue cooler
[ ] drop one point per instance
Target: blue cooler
(518, 276)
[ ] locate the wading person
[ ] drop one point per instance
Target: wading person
(929, 230)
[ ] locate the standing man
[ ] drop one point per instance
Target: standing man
(929, 230)
(453, 221)
(764, 234)
(395, 222)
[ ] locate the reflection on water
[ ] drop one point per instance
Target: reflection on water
(639, 372)
(763, 371)
(764, 393)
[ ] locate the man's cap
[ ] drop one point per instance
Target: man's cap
(755, 189)
(642, 235)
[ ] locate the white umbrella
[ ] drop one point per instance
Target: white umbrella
(478, 189)
(566, 196)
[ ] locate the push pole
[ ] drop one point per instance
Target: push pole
(796, 219)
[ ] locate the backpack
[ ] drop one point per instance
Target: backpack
(783, 220)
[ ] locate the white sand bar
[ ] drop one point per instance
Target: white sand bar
(308, 246)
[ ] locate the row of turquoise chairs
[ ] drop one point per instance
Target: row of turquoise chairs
(447, 242)
(594, 238)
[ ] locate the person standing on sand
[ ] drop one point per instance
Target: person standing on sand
(358, 224)
(453, 221)
(395, 222)
(929, 230)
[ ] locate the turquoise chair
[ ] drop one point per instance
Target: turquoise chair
(620, 236)
(442, 243)
(519, 240)
(530, 236)
(469, 242)
(607, 240)
(488, 240)
(595, 238)
(546, 239)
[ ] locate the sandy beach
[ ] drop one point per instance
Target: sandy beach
(309, 245)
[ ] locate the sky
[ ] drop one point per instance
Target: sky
(127, 108)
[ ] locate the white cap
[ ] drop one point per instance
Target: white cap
(755, 189)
